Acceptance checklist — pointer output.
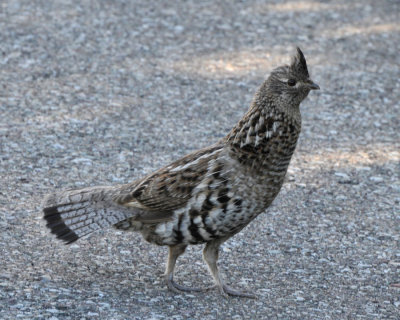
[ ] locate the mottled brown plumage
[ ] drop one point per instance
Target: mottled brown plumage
(207, 196)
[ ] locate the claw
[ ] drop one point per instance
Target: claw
(236, 293)
(178, 288)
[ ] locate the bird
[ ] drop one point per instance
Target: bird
(207, 196)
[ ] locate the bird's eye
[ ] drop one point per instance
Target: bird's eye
(291, 82)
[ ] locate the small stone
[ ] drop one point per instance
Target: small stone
(53, 310)
(342, 175)
(92, 314)
(179, 29)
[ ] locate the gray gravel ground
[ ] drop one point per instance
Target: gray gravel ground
(102, 92)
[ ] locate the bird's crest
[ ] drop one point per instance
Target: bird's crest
(299, 64)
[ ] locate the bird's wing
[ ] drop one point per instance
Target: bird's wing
(168, 189)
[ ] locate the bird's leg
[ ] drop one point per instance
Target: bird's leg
(173, 254)
(210, 255)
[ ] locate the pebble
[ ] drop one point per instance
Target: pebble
(376, 179)
(342, 175)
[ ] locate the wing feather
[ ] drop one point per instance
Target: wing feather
(169, 188)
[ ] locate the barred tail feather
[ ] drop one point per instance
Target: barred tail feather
(73, 214)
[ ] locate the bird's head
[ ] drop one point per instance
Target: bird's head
(291, 84)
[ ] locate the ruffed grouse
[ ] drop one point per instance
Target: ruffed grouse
(206, 196)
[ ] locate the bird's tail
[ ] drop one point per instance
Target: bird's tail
(73, 214)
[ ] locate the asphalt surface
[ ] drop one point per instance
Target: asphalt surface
(102, 92)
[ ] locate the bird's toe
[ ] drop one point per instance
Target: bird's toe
(178, 288)
(226, 290)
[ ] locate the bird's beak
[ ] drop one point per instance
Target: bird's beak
(313, 86)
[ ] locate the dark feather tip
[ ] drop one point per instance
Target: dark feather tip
(300, 53)
(299, 63)
(57, 225)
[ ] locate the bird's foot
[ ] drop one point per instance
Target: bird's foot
(225, 290)
(178, 288)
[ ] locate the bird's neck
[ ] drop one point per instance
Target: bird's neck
(264, 124)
